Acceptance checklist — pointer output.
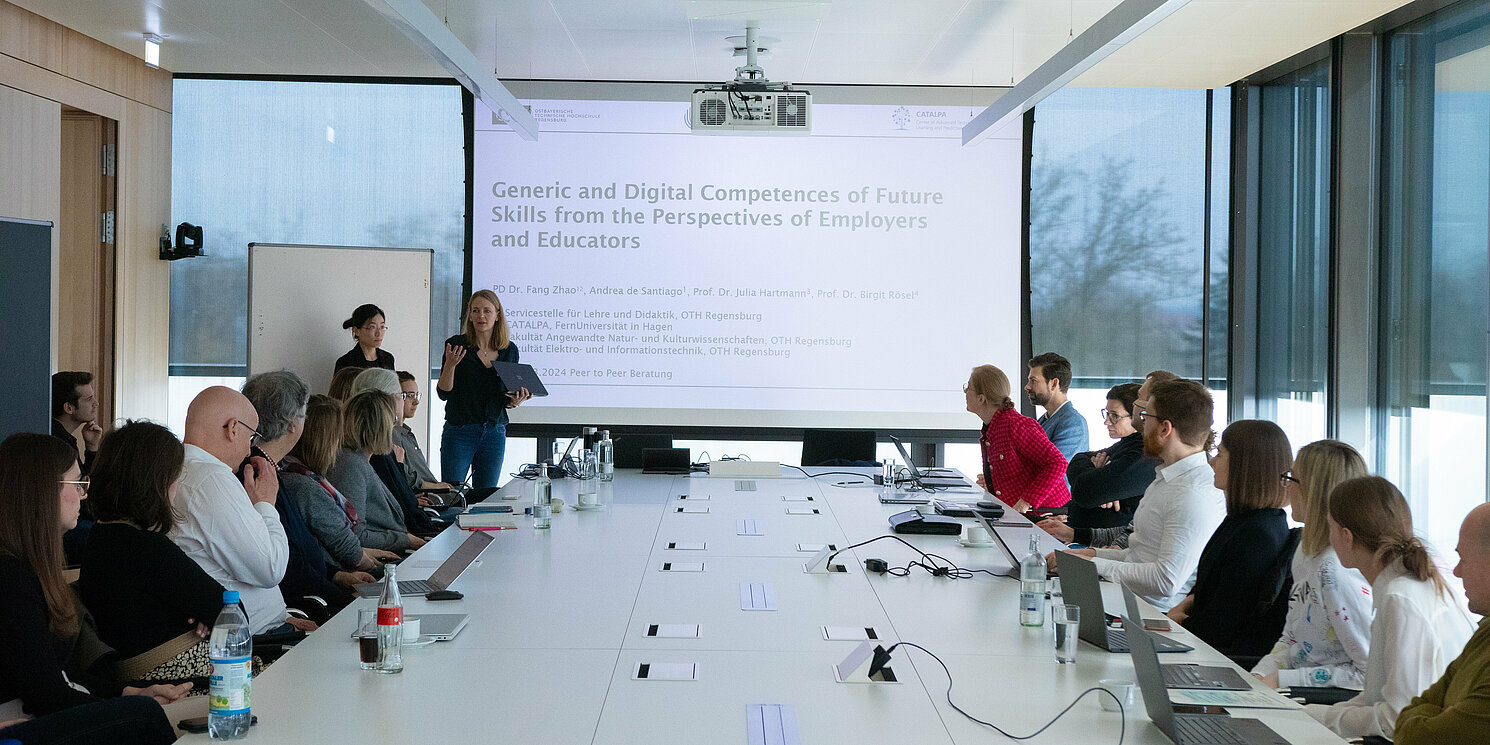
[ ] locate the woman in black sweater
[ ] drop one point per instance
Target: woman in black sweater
(1106, 485)
(47, 656)
(1240, 597)
(145, 593)
(476, 401)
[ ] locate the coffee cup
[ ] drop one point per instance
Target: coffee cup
(411, 629)
(588, 499)
(978, 534)
(1122, 690)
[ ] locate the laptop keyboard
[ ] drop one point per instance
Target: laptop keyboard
(1186, 676)
(420, 586)
(1205, 730)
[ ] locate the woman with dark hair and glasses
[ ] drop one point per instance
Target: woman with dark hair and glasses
(368, 324)
(1240, 597)
(153, 604)
(48, 654)
(1327, 636)
(1106, 485)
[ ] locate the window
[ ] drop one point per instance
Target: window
(1293, 239)
(349, 164)
(1436, 265)
(1119, 222)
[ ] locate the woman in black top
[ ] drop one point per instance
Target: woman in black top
(1240, 597)
(44, 649)
(368, 325)
(145, 593)
(1106, 485)
(476, 400)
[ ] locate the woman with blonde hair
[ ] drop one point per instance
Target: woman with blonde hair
(1421, 623)
(1021, 467)
(1327, 634)
(367, 428)
(474, 438)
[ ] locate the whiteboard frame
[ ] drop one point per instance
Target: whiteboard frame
(308, 290)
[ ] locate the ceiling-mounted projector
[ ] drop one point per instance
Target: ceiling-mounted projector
(751, 104)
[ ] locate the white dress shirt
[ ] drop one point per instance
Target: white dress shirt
(1175, 519)
(1417, 632)
(238, 542)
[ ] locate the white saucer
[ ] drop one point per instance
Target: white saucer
(585, 507)
(423, 641)
(968, 544)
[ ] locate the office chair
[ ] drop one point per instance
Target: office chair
(838, 447)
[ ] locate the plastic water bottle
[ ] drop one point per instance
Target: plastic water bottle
(543, 509)
(230, 650)
(1032, 586)
(390, 624)
(606, 454)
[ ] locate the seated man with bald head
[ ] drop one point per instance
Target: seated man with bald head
(1456, 709)
(227, 525)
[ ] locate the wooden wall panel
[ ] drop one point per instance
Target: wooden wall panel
(43, 67)
(30, 158)
(142, 342)
(51, 46)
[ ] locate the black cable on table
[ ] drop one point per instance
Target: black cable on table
(1122, 721)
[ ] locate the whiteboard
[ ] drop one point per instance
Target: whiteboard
(299, 295)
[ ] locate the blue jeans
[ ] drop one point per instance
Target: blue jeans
(474, 448)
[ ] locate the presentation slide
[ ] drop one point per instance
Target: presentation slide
(847, 278)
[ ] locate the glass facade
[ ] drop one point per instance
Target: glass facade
(348, 164)
(1435, 273)
(1294, 253)
(1122, 207)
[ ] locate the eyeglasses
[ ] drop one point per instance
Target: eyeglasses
(81, 485)
(1113, 416)
(254, 438)
(407, 395)
(1289, 477)
(375, 327)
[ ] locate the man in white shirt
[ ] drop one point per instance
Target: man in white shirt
(1179, 510)
(227, 526)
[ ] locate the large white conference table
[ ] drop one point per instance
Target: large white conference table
(558, 623)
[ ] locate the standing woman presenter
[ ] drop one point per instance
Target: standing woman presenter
(476, 401)
(368, 324)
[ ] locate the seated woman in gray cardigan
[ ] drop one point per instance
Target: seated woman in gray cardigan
(330, 516)
(367, 428)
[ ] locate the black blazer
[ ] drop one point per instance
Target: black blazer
(1125, 477)
(1239, 567)
(354, 358)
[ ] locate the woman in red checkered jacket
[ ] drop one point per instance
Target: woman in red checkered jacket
(1020, 465)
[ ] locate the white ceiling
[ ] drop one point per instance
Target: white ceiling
(1206, 44)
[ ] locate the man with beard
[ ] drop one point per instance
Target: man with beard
(1180, 509)
(1048, 384)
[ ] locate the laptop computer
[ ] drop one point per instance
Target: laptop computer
(943, 478)
(449, 571)
(1079, 582)
(440, 627)
(1186, 729)
(1003, 548)
(516, 376)
(1184, 675)
(667, 460)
